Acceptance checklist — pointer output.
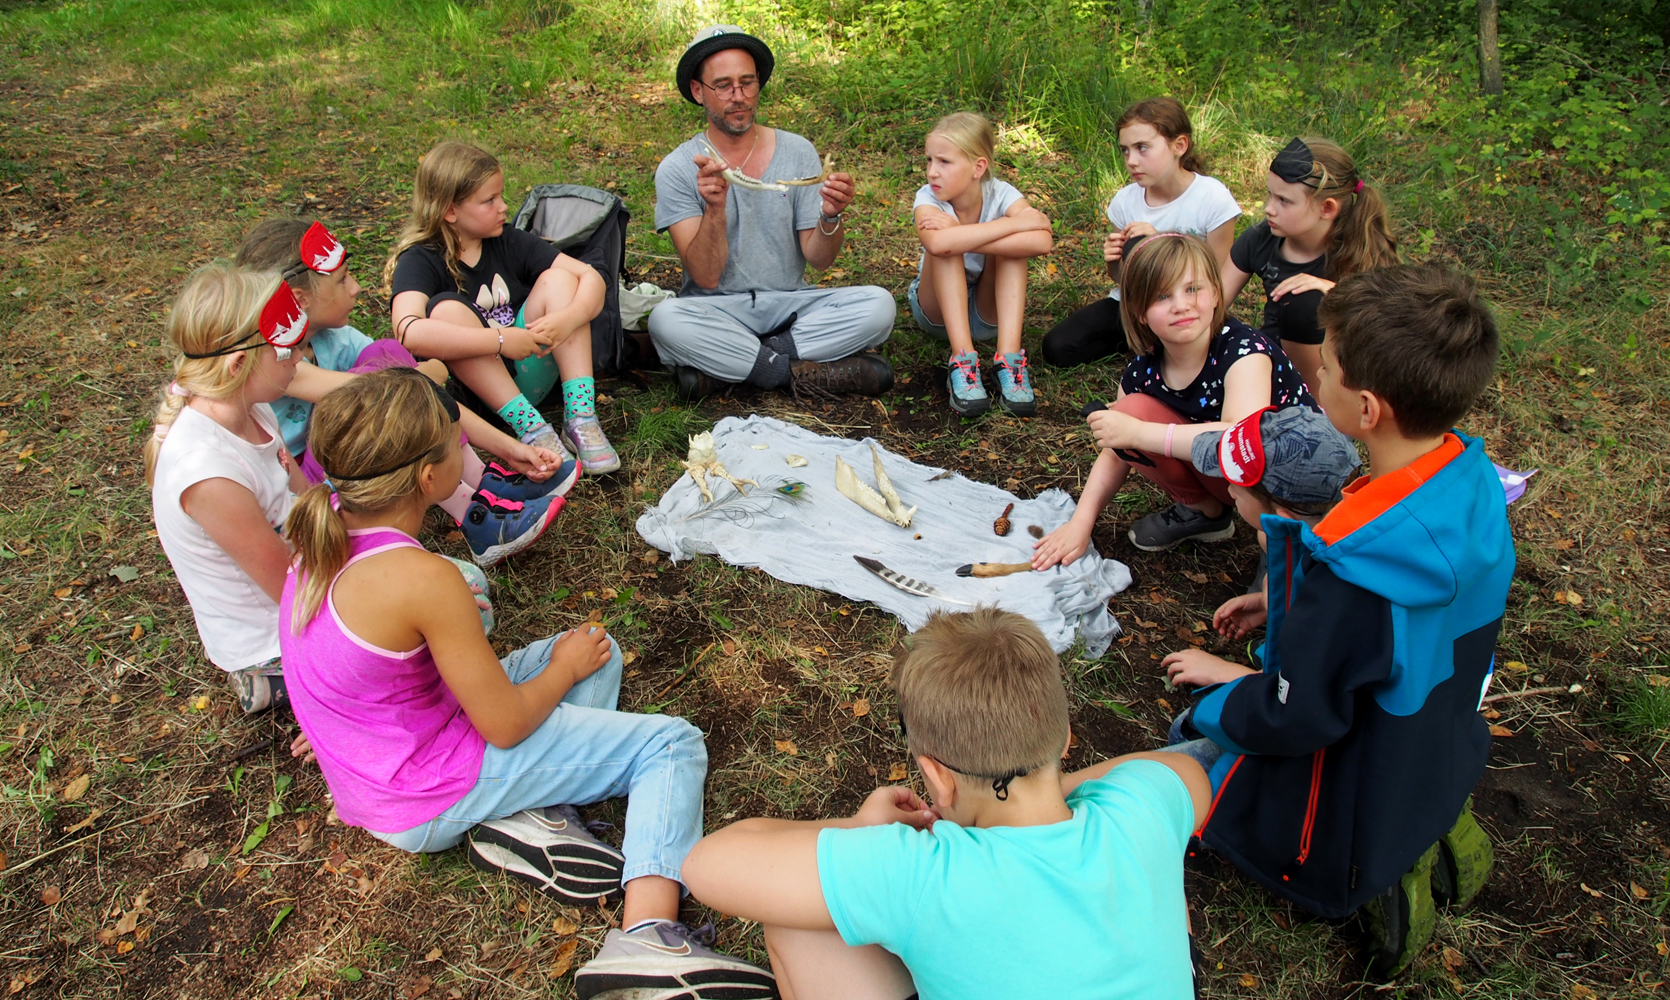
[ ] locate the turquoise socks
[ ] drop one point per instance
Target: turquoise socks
(521, 415)
(579, 397)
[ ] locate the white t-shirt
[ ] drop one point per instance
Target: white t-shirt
(236, 620)
(997, 197)
(1202, 207)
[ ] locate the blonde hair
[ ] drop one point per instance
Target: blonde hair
(1153, 267)
(981, 692)
(219, 307)
(973, 135)
(446, 176)
(1360, 237)
(375, 421)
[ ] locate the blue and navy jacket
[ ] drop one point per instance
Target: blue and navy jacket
(1357, 746)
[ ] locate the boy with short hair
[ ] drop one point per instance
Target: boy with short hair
(1352, 752)
(1016, 882)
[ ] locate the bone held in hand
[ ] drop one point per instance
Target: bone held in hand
(993, 569)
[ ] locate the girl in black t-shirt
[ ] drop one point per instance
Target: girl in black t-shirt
(1194, 370)
(1321, 223)
(506, 312)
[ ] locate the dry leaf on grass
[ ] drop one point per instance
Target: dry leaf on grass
(563, 927)
(1637, 891)
(1593, 892)
(861, 708)
(897, 772)
(1248, 982)
(129, 920)
(788, 747)
(564, 959)
(1658, 680)
(1581, 992)
(85, 823)
(729, 647)
(1499, 730)
(1453, 959)
(433, 956)
(418, 988)
(77, 788)
(52, 894)
(1515, 666)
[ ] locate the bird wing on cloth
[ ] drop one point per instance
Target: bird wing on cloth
(813, 542)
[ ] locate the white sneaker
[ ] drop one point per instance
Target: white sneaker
(552, 849)
(666, 960)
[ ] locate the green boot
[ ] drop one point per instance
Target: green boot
(1463, 863)
(1400, 920)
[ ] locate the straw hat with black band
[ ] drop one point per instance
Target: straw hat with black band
(718, 38)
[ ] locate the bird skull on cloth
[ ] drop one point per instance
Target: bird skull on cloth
(885, 504)
(703, 461)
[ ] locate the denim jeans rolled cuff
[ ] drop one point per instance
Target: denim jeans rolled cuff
(1183, 738)
(978, 328)
(586, 752)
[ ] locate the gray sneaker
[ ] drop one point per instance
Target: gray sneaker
(546, 436)
(669, 961)
(552, 849)
(1163, 529)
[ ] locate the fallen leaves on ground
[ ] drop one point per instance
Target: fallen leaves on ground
(77, 788)
(897, 772)
(788, 747)
(1500, 730)
(433, 956)
(85, 823)
(52, 894)
(564, 959)
(861, 708)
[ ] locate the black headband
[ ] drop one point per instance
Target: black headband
(1295, 163)
(452, 411)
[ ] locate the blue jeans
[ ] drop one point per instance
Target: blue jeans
(585, 752)
(978, 328)
(1204, 751)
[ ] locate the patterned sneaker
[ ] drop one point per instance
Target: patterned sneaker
(597, 455)
(1400, 920)
(1163, 529)
(260, 687)
(666, 960)
(546, 436)
(1014, 385)
(508, 484)
(1464, 861)
(968, 395)
(497, 528)
(552, 849)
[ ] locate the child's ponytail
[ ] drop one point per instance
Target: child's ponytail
(219, 307)
(372, 437)
(445, 176)
(1360, 238)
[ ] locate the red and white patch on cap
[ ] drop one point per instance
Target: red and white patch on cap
(283, 320)
(321, 252)
(1241, 450)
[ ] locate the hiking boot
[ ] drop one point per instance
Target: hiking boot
(496, 528)
(597, 455)
(508, 484)
(692, 384)
(865, 374)
(666, 960)
(1163, 529)
(545, 436)
(1463, 863)
(962, 380)
(1400, 920)
(552, 849)
(1014, 385)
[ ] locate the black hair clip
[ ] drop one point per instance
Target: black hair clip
(1295, 163)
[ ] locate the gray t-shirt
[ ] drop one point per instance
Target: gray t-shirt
(761, 227)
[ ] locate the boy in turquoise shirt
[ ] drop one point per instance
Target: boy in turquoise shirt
(1017, 881)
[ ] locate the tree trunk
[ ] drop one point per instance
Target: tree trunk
(1490, 57)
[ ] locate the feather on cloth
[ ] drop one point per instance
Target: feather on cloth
(813, 543)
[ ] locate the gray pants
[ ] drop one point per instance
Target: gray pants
(720, 334)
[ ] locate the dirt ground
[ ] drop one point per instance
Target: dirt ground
(156, 844)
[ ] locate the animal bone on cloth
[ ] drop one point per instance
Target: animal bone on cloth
(813, 543)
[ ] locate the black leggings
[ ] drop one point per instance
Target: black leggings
(1091, 334)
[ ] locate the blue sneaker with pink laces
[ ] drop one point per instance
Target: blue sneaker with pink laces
(496, 528)
(508, 484)
(968, 394)
(1014, 385)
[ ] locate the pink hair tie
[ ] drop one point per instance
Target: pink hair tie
(176, 389)
(1358, 189)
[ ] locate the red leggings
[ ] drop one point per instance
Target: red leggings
(1177, 476)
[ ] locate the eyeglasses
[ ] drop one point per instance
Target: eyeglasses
(745, 87)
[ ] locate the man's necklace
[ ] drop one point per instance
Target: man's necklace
(743, 166)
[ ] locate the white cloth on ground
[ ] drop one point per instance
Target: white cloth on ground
(813, 543)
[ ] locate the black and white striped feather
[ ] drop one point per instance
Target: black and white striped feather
(907, 584)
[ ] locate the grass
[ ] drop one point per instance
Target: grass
(144, 138)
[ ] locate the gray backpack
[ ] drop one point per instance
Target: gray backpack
(588, 225)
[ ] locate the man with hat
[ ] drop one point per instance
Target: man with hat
(745, 312)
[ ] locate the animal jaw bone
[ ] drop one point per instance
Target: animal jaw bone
(828, 165)
(703, 461)
(741, 179)
(884, 504)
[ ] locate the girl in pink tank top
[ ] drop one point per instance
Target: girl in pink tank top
(426, 738)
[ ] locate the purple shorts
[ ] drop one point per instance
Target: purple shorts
(378, 355)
